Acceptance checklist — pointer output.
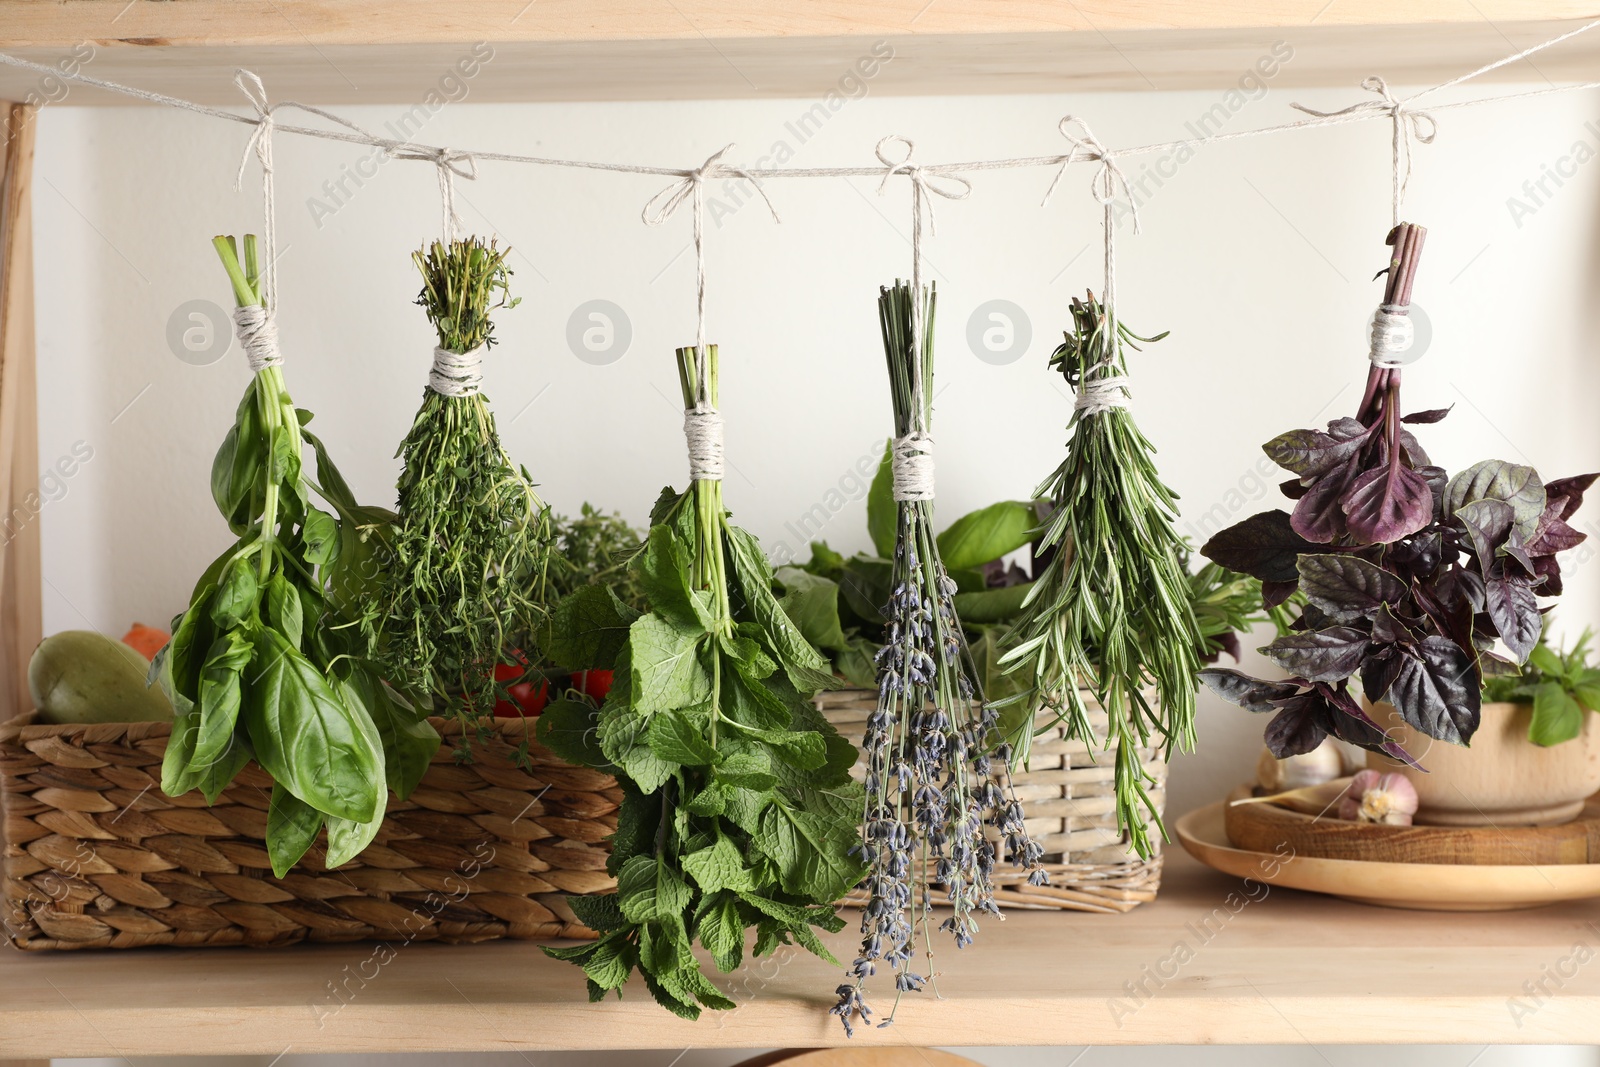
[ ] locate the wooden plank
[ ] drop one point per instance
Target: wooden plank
(1212, 960)
(376, 51)
(20, 580)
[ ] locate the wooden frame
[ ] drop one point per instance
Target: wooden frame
(21, 622)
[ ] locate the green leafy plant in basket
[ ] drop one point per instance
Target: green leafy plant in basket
(266, 662)
(738, 809)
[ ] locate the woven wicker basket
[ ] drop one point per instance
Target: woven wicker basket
(98, 857)
(1070, 808)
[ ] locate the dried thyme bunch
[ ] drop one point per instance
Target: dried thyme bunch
(472, 538)
(1112, 612)
(931, 784)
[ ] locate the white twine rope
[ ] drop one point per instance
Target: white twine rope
(258, 336)
(456, 373)
(1410, 124)
(1097, 395)
(261, 143)
(911, 466)
(1392, 334)
(354, 134)
(703, 430)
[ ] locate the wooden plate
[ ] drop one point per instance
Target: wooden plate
(1265, 827)
(1426, 886)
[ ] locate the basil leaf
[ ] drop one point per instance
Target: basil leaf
(292, 827)
(219, 698)
(883, 516)
(812, 604)
(408, 741)
(1348, 588)
(307, 737)
(1556, 716)
(238, 593)
(1495, 479)
(347, 840)
(320, 535)
(284, 611)
(985, 535)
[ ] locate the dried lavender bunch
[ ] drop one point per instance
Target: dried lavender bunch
(931, 782)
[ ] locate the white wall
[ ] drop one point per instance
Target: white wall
(1258, 256)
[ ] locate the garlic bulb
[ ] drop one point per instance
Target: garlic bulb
(1321, 764)
(1382, 798)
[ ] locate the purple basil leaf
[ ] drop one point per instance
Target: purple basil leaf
(1298, 727)
(1437, 690)
(1361, 729)
(1487, 524)
(1251, 694)
(1275, 593)
(1438, 479)
(1348, 587)
(1495, 479)
(1514, 551)
(1548, 568)
(1386, 504)
(1263, 546)
(1554, 534)
(1379, 671)
(1345, 428)
(1312, 453)
(1431, 415)
(1416, 556)
(1317, 515)
(1330, 655)
(1514, 610)
(1412, 449)
(1573, 489)
(1229, 643)
(1390, 629)
(1294, 488)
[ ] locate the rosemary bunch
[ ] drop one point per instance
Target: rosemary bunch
(931, 786)
(472, 538)
(1112, 612)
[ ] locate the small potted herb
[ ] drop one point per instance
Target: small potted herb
(1420, 584)
(1536, 756)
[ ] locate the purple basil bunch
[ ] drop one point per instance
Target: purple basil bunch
(1418, 582)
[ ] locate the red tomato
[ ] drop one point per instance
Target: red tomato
(527, 698)
(593, 684)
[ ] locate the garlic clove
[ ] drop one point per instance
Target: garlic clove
(1377, 797)
(1322, 764)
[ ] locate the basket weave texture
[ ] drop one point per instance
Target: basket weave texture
(1069, 806)
(96, 856)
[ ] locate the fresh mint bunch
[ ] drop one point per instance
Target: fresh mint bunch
(738, 808)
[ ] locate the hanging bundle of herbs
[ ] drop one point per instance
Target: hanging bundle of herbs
(262, 665)
(1111, 615)
(930, 784)
(472, 539)
(738, 808)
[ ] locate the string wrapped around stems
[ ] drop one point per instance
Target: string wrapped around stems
(934, 779)
(1111, 613)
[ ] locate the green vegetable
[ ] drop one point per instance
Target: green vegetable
(84, 676)
(472, 540)
(1561, 684)
(265, 663)
(738, 809)
(1112, 610)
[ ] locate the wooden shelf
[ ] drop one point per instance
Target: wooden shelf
(1287, 968)
(389, 51)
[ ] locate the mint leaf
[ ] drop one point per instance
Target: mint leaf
(752, 770)
(677, 736)
(810, 852)
(718, 867)
(588, 627)
(571, 729)
(623, 740)
(805, 667)
(663, 572)
(610, 964)
(666, 670)
(648, 890)
(812, 604)
(599, 914)
(722, 933)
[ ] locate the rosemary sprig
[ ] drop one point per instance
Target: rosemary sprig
(931, 786)
(1112, 612)
(472, 538)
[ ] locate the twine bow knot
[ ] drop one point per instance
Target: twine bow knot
(690, 186)
(1410, 123)
(1107, 182)
(923, 180)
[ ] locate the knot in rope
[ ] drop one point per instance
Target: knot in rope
(1107, 182)
(258, 336)
(923, 180)
(1410, 123)
(664, 205)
